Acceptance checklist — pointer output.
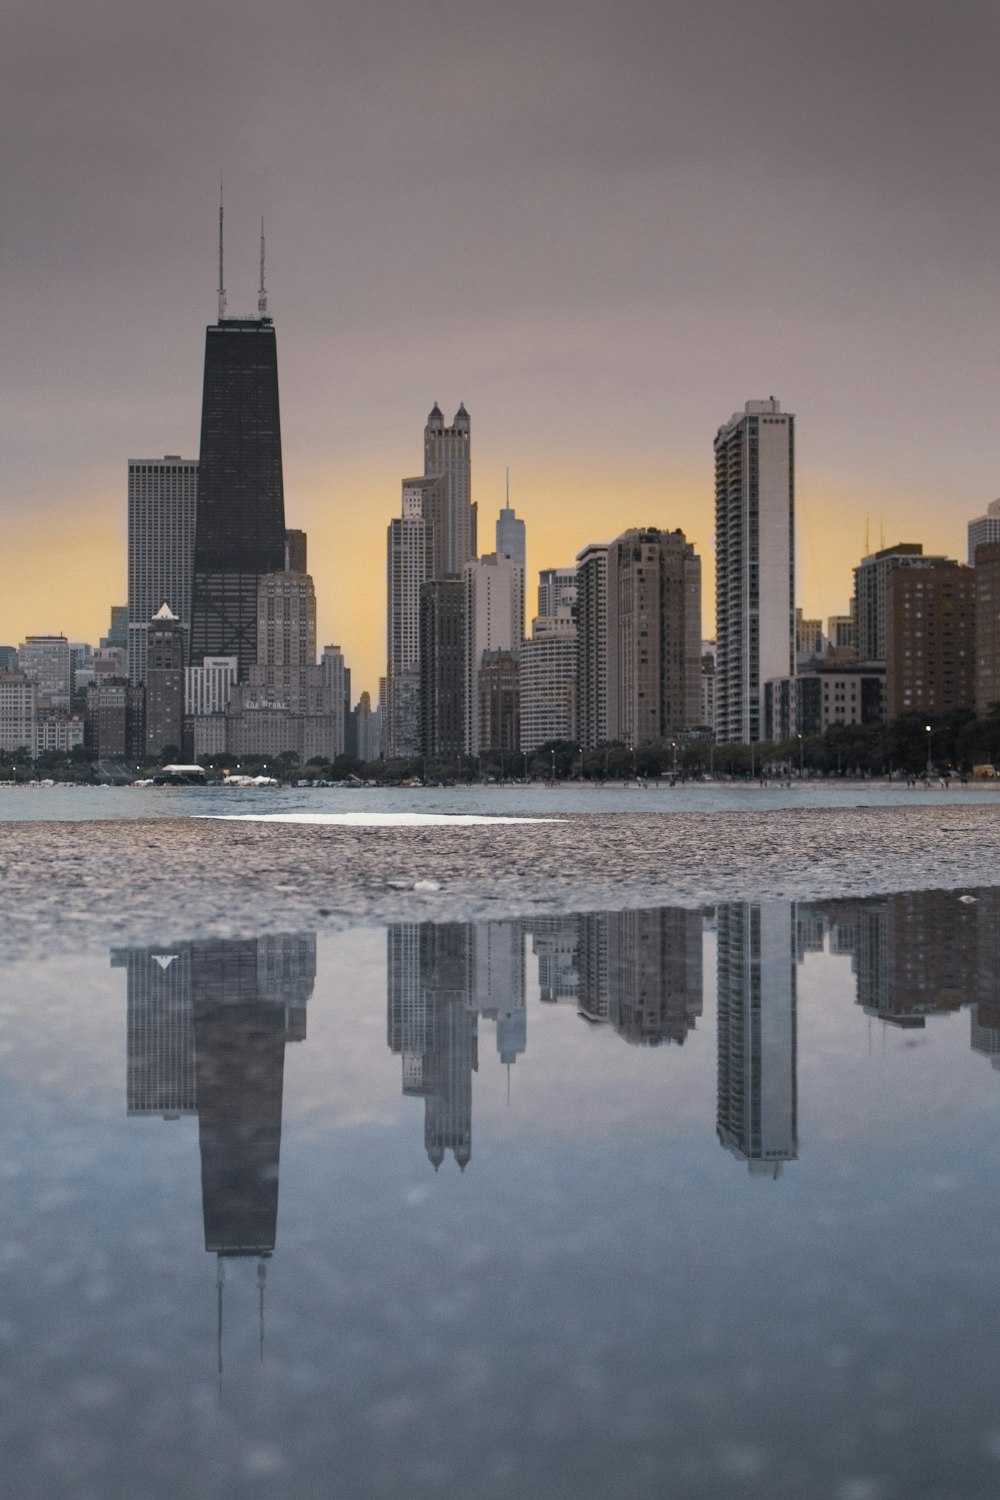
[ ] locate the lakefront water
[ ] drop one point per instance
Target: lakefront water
(564, 1198)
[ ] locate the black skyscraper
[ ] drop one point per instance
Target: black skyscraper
(240, 524)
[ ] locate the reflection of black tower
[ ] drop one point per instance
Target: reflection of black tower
(248, 1000)
(240, 515)
(757, 1089)
(434, 1028)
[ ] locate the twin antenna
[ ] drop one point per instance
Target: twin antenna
(261, 290)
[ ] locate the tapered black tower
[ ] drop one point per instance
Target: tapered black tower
(240, 516)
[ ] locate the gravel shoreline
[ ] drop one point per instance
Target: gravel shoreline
(64, 886)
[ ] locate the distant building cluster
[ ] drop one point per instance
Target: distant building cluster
(216, 651)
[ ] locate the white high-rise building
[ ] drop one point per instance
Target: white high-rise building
(18, 712)
(207, 688)
(755, 563)
(48, 660)
(984, 530)
(162, 500)
(548, 682)
(494, 609)
(557, 589)
(409, 563)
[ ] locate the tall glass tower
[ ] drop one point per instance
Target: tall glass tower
(240, 519)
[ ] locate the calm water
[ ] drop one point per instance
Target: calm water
(654, 1203)
(87, 803)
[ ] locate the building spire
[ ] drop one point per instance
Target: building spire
(261, 1281)
(222, 282)
(508, 486)
(261, 290)
(220, 1281)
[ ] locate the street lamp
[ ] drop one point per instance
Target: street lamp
(930, 767)
(800, 757)
(635, 768)
(552, 760)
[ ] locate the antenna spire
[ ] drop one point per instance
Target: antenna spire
(220, 1281)
(508, 486)
(222, 282)
(261, 1280)
(261, 290)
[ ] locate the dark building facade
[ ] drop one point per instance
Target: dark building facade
(442, 668)
(240, 520)
(930, 645)
(115, 715)
(500, 701)
(164, 678)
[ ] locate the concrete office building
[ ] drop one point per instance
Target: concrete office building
(871, 581)
(494, 608)
(59, 731)
(48, 660)
(829, 693)
(654, 637)
(841, 632)
(18, 712)
(162, 502)
(755, 563)
(592, 665)
(930, 664)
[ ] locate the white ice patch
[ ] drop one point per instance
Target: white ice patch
(368, 819)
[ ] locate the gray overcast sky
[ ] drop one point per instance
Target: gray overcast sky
(603, 227)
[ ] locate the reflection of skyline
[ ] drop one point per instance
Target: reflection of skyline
(207, 1028)
(640, 972)
(914, 954)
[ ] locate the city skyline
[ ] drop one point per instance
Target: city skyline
(598, 342)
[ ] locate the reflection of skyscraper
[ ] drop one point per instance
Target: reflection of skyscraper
(498, 977)
(160, 1046)
(914, 953)
(757, 1090)
(655, 974)
(432, 1025)
(207, 1028)
(642, 972)
(555, 942)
